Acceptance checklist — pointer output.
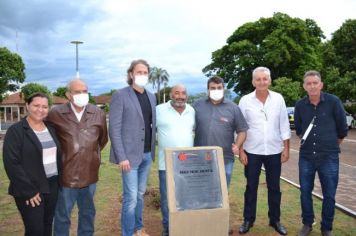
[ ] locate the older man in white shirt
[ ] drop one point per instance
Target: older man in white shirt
(267, 143)
(175, 125)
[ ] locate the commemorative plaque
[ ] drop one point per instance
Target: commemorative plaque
(197, 191)
(196, 179)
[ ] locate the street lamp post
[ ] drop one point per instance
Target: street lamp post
(76, 42)
(164, 91)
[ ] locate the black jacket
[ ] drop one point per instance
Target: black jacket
(22, 156)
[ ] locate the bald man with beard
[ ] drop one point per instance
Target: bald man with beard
(175, 125)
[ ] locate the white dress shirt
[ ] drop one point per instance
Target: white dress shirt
(268, 123)
(77, 114)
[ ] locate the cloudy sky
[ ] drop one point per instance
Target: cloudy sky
(177, 35)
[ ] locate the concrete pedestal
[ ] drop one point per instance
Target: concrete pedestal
(196, 222)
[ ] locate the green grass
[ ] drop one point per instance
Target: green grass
(108, 205)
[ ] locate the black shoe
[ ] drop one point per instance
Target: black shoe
(231, 231)
(245, 227)
(279, 228)
(305, 230)
(326, 233)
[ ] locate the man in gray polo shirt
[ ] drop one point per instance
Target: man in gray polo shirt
(217, 120)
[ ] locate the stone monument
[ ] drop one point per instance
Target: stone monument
(197, 192)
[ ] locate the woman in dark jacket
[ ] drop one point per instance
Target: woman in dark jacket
(31, 155)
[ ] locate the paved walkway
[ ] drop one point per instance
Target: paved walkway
(346, 192)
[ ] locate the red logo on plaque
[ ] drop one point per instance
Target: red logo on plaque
(208, 156)
(182, 156)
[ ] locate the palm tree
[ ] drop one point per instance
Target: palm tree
(156, 78)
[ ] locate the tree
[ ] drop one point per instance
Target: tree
(287, 46)
(345, 87)
(342, 86)
(339, 62)
(106, 108)
(291, 91)
(11, 71)
(164, 93)
(156, 78)
(32, 88)
(197, 96)
(344, 42)
(237, 99)
(112, 91)
(91, 99)
(228, 95)
(60, 92)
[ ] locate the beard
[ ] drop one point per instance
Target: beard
(178, 103)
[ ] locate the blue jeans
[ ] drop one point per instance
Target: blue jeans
(229, 166)
(327, 166)
(272, 164)
(86, 210)
(134, 184)
(164, 201)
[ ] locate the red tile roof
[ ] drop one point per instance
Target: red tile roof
(16, 98)
(102, 99)
(58, 100)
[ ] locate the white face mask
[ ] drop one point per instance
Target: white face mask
(141, 80)
(216, 95)
(81, 100)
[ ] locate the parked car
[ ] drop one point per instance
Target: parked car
(290, 111)
(349, 120)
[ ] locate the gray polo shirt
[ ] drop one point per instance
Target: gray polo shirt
(216, 124)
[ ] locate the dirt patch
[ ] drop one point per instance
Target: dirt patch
(152, 212)
(110, 219)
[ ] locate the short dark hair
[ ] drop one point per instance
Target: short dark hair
(132, 67)
(215, 79)
(35, 95)
(312, 73)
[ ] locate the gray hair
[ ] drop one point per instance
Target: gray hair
(70, 82)
(312, 73)
(177, 85)
(261, 69)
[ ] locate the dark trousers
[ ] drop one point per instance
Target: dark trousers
(164, 200)
(38, 220)
(272, 164)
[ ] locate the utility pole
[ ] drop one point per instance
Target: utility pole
(76, 42)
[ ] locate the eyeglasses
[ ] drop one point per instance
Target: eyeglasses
(263, 111)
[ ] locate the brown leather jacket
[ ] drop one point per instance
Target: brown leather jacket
(81, 143)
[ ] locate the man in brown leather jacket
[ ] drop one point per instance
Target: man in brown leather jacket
(82, 132)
